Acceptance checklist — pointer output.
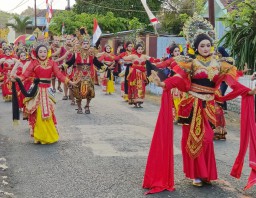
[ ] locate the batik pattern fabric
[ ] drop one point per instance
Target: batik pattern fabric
(40, 108)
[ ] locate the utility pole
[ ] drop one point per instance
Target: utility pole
(68, 6)
(35, 15)
(211, 12)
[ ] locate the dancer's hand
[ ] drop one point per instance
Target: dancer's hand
(156, 80)
(72, 83)
(246, 69)
(253, 76)
(252, 92)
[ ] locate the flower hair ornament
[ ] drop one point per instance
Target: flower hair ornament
(195, 26)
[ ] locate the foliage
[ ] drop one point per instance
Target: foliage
(121, 8)
(108, 22)
(176, 12)
(4, 18)
(240, 37)
(20, 24)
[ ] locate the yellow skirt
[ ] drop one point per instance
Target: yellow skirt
(45, 131)
(176, 102)
(110, 86)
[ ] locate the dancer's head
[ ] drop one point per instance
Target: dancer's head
(202, 45)
(41, 52)
(22, 55)
(139, 48)
(174, 50)
(107, 48)
(129, 46)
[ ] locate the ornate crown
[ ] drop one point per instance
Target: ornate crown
(83, 35)
(41, 42)
(197, 25)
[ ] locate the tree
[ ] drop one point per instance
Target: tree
(121, 8)
(240, 37)
(4, 17)
(176, 12)
(107, 22)
(19, 24)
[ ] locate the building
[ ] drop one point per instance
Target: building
(222, 7)
(40, 21)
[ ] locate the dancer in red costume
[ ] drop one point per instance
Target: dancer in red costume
(199, 78)
(40, 105)
(137, 78)
(127, 64)
(8, 63)
(17, 70)
(109, 61)
(56, 51)
(66, 54)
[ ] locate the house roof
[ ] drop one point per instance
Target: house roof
(39, 12)
(227, 4)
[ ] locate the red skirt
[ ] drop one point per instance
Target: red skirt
(204, 165)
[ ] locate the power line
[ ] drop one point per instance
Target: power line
(19, 5)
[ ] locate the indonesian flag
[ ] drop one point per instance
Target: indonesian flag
(151, 16)
(96, 31)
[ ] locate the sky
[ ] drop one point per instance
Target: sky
(17, 6)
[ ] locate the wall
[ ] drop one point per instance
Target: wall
(164, 42)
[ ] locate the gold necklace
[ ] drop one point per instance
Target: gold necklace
(44, 63)
(204, 59)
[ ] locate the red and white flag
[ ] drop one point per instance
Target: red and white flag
(151, 16)
(96, 31)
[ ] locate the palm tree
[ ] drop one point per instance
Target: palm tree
(240, 37)
(20, 24)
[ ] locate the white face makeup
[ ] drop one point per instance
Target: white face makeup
(85, 45)
(7, 52)
(42, 53)
(140, 50)
(204, 48)
(108, 49)
(23, 56)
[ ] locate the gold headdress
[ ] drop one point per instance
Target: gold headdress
(197, 25)
(41, 42)
(141, 42)
(83, 35)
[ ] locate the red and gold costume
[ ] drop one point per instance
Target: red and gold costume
(8, 65)
(84, 75)
(124, 84)
(199, 79)
(40, 108)
(137, 79)
(107, 77)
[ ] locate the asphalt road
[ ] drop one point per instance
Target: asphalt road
(101, 155)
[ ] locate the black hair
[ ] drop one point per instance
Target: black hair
(138, 45)
(6, 48)
(200, 38)
(173, 47)
(223, 52)
(21, 52)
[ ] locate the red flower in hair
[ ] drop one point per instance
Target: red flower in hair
(168, 51)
